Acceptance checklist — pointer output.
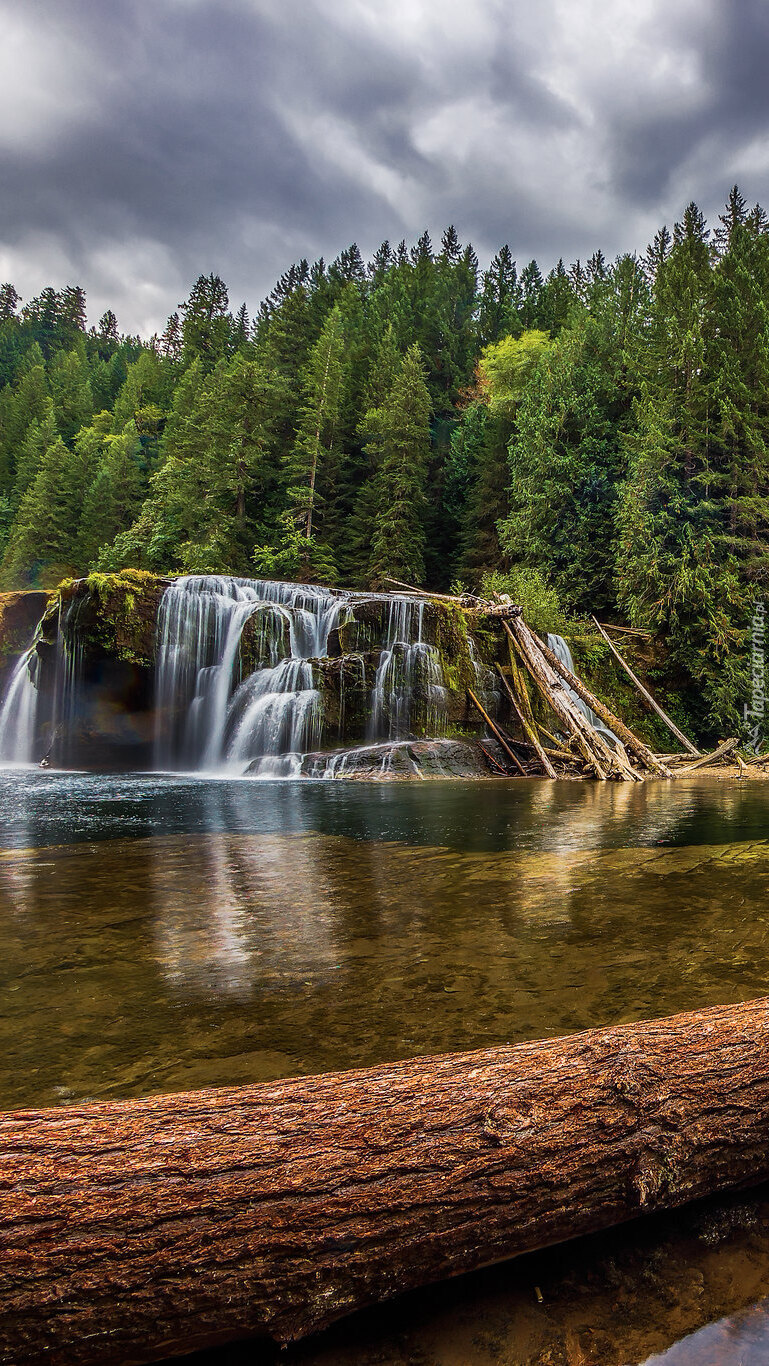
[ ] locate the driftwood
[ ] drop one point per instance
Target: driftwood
(671, 725)
(560, 755)
(594, 749)
(623, 732)
(625, 630)
(527, 728)
(533, 727)
(725, 748)
(497, 732)
(466, 600)
(136, 1230)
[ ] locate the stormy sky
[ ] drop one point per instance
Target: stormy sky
(144, 142)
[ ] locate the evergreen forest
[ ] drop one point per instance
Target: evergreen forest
(592, 440)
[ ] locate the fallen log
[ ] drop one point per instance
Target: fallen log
(671, 725)
(707, 759)
(625, 630)
(497, 733)
(623, 732)
(144, 1228)
(591, 745)
(560, 755)
(527, 729)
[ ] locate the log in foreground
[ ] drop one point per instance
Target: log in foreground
(140, 1229)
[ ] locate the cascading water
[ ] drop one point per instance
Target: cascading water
(248, 679)
(561, 651)
(209, 716)
(409, 670)
(18, 714)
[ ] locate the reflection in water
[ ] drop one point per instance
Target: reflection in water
(173, 961)
(55, 808)
(265, 920)
(741, 1340)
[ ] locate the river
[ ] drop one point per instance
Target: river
(164, 933)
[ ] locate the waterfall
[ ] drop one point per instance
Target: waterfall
(409, 671)
(18, 714)
(209, 716)
(561, 651)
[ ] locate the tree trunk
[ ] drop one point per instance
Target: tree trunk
(144, 1228)
(527, 728)
(622, 732)
(672, 727)
(593, 748)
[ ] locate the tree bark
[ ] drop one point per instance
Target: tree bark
(622, 732)
(144, 1228)
(723, 749)
(497, 732)
(592, 746)
(527, 728)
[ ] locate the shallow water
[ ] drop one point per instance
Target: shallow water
(159, 935)
(165, 933)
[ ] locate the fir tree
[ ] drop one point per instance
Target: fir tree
(402, 437)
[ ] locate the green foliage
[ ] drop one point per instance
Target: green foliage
(530, 591)
(595, 438)
(506, 368)
(295, 555)
(399, 438)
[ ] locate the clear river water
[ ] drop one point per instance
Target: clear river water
(164, 933)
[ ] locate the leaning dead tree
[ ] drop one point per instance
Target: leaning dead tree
(142, 1229)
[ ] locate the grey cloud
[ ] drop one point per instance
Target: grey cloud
(236, 135)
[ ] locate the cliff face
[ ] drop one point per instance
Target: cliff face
(19, 616)
(95, 671)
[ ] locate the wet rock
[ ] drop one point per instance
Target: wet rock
(19, 616)
(265, 639)
(400, 759)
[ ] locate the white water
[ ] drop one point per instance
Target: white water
(18, 714)
(212, 717)
(408, 667)
(209, 718)
(561, 651)
(214, 714)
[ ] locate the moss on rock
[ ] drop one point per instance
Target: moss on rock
(113, 614)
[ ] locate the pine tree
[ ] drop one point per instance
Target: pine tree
(171, 342)
(9, 302)
(41, 541)
(72, 311)
(206, 323)
(70, 381)
(114, 494)
(108, 330)
(566, 457)
(354, 553)
(402, 437)
(500, 300)
(28, 402)
(312, 462)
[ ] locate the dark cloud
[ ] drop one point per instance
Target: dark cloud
(142, 144)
